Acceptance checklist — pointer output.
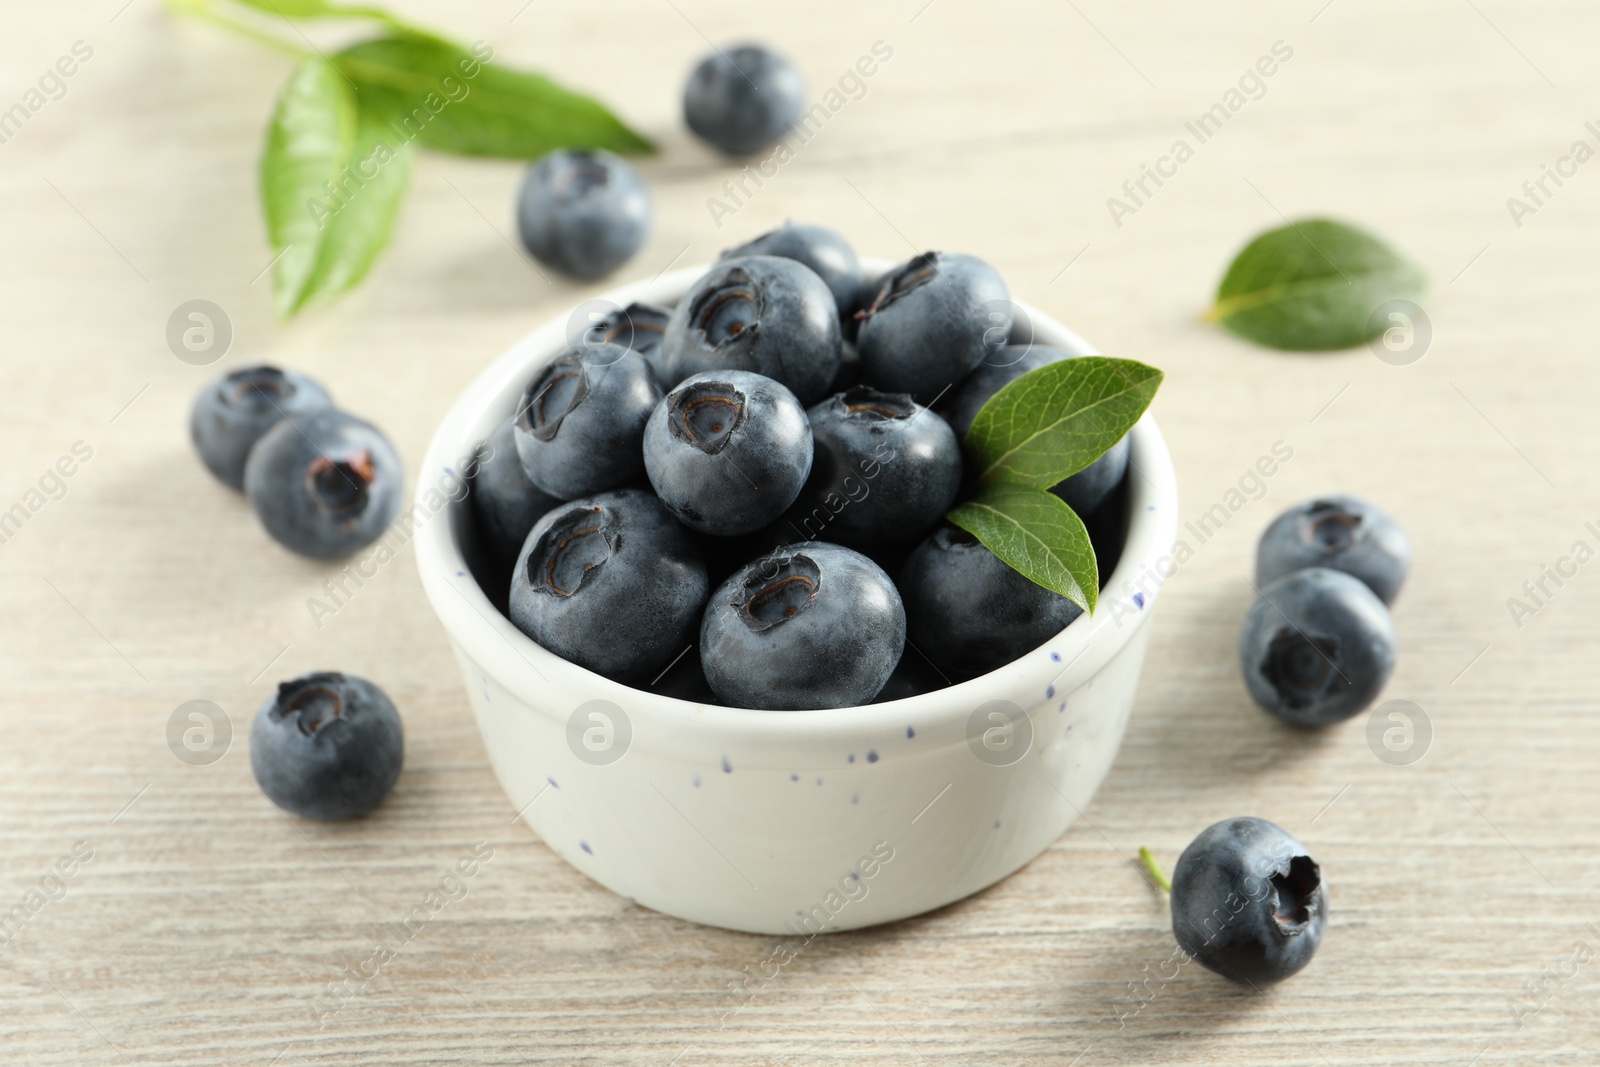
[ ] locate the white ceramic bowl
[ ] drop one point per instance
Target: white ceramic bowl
(791, 822)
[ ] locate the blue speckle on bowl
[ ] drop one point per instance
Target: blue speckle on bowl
(910, 732)
(727, 768)
(997, 824)
(819, 781)
(1138, 598)
(1062, 708)
(872, 755)
(855, 876)
(852, 758)
(585, 846)
(855, 798)
(1055, 657)
(697, 781)
(553, 783)
(1049, 692)
(461, 574)
(794, 778)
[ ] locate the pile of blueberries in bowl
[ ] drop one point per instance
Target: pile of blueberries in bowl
(740, 499)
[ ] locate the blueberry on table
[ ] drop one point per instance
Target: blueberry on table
(1343, 532)
(932, 322)
(1317, 647)
(969, 612)
(327, 746)
(825, 251)
(1084, 491)
(504, 502)
(611, 583)
(233, 412)
(815, 625)
(763, 314)
(886, 469)
(580, 422)
(324, 484)
(583, 212)
(1248, 902)
(728, 451)
(740, 100)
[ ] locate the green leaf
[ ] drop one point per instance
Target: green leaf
(322, 10)
(1313, 286)
(332, 181)
(1038, 535)
(1058, 419)
(450, 99)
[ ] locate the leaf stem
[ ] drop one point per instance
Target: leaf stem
(202, 11)
(1155, 870)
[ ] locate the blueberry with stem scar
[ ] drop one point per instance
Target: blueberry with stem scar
(763, 314)
(812, 626)
(727, 451)
(1317, 647)
(1248, 901)
(611, 583)
(324, 484)
(1343, 532)
(327, 746)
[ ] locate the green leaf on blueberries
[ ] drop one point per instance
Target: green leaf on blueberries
(332, 181)
(451, 99)
(1312, 286)
(1054, 421)
(1038, 535)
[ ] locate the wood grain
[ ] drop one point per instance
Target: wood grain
(206, 927)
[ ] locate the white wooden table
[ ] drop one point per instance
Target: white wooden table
(205, 927)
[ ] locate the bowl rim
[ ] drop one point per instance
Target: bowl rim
(532, 674)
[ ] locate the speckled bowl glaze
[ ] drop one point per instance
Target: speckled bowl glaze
(791, 822)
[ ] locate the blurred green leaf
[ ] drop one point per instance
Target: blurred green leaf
(451, 99)
(333, 177)
(1312, 286)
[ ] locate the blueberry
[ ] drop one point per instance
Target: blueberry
(743, 99)
(886, 469)
(728, 451)
(1317, 647)
(1084, 491)
(637, 327)
(913, 676)
(813, 626)
(611, 583)
(685, 680)
(325, 483)
(825, 251)
(581, 420)
(1342, 532)
(1248, 902)
(969, 612)
(764, 314)
(931, 323)
(232, 412)
(849, 372)
(583, 212)
(998, 370)
(327, 746)
(504, 502)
